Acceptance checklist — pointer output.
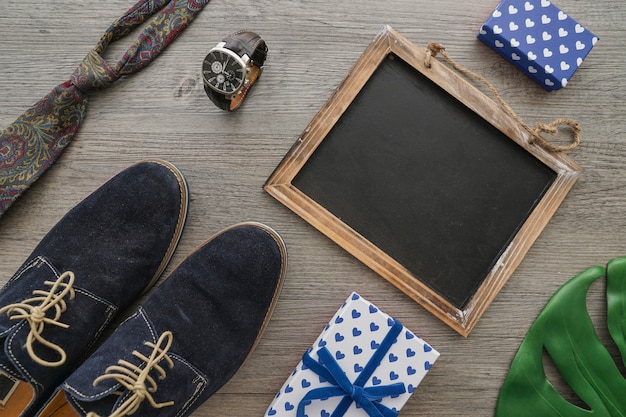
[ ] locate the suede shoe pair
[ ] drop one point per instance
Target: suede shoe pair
(189, 337)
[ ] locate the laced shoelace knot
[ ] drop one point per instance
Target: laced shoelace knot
(36, 315)
(137, 380)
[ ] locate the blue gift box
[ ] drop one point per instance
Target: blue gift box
(539, 38)
(364, 363)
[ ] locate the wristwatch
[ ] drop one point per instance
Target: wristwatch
(231, 68)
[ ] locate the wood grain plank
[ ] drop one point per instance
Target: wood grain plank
(163, 112)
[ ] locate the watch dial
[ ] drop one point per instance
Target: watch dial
(223, 72)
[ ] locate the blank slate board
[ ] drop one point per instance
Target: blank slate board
(424, 179)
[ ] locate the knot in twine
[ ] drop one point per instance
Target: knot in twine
(535, 134)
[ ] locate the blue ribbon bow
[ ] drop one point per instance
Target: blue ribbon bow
(367, 398)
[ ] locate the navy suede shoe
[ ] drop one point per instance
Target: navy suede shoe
(96, 261)
(190, 336)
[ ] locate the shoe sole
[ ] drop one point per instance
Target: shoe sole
(283, 272)
(180, 225)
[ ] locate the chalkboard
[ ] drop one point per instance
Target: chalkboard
(412, 179)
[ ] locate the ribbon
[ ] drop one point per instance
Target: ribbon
(367, 398)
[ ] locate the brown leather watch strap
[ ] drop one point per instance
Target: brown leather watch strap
(249, 43)
(237, 99)
(241, 43)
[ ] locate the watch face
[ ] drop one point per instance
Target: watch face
(224, 71)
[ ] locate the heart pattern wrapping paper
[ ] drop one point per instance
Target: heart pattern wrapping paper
(540, 39)
(352, 337)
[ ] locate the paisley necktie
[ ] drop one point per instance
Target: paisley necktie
(33, 142)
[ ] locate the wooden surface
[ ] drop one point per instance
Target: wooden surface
(163, 112)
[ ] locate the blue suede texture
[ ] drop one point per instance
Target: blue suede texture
(115, 242)
(216, 303)
(86, 327)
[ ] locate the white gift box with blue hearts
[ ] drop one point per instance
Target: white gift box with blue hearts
(539, 38)
(352, 338)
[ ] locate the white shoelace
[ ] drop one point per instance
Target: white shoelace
(138, 380)
(34, 311)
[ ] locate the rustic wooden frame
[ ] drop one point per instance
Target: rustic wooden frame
(279, 184)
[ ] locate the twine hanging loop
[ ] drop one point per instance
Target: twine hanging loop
(536, 133)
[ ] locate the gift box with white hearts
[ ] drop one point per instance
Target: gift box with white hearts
(539, 38)
(364, 363)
